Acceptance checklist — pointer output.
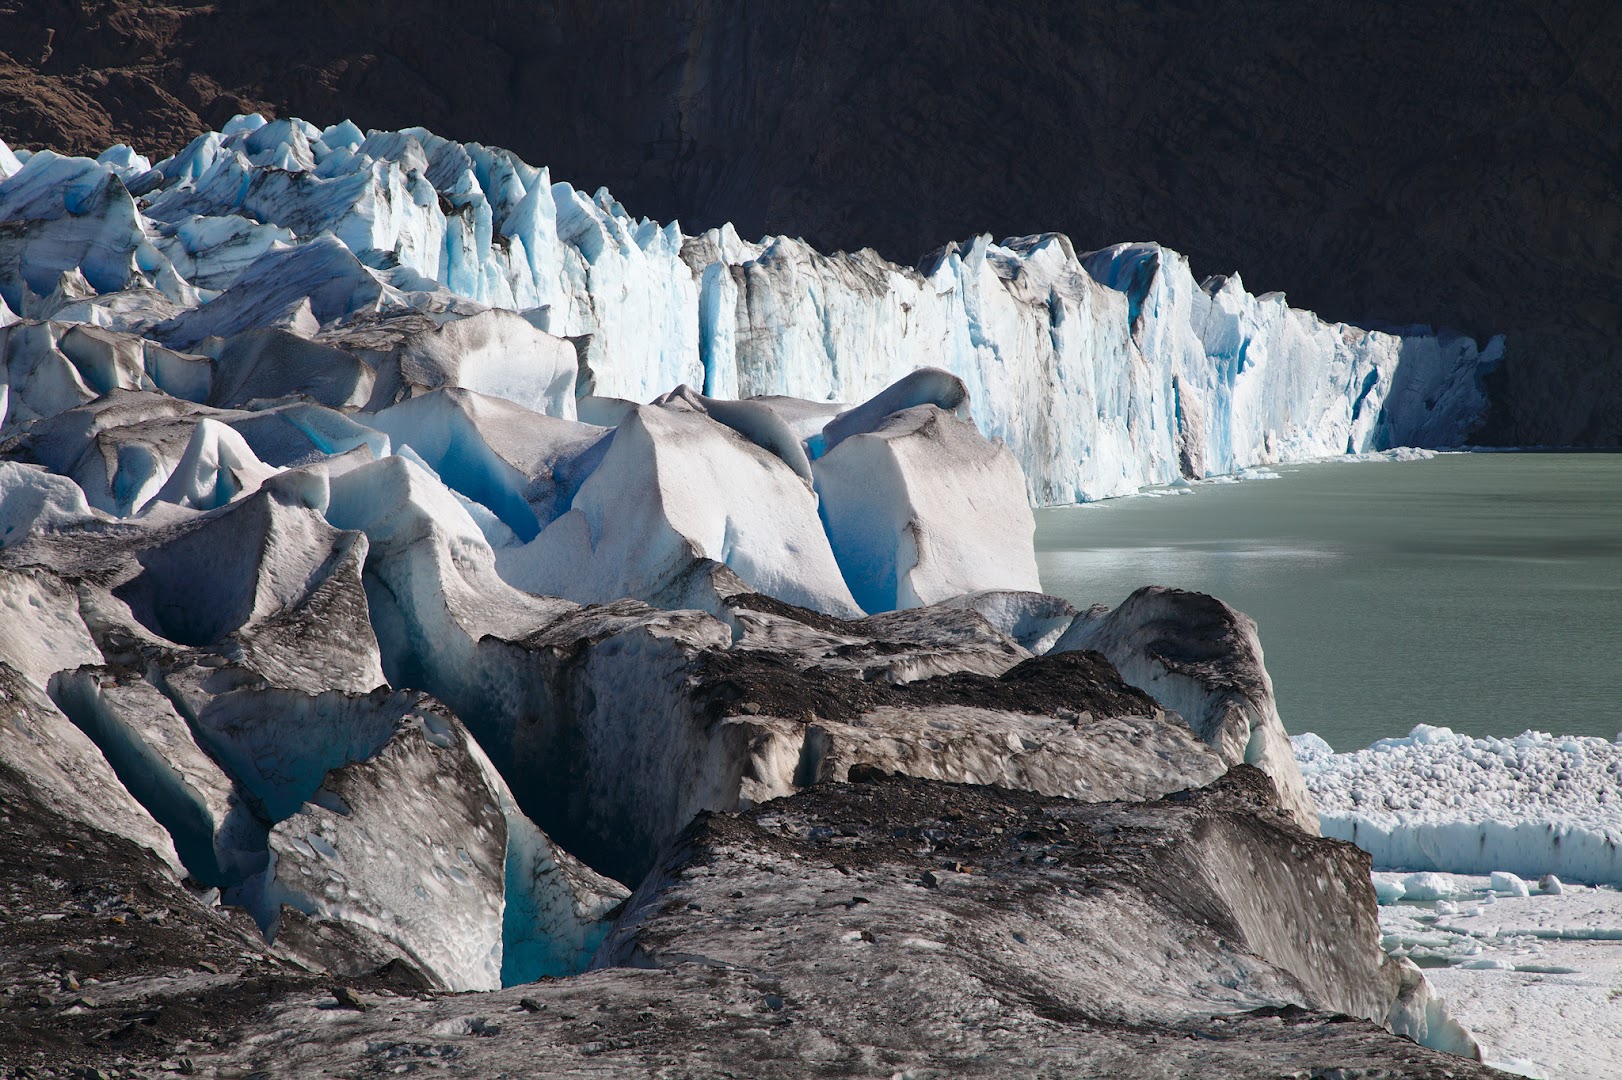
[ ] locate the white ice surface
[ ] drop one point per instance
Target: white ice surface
(1532, 805)
(921, 508)
(675, 488)
(1537, 978)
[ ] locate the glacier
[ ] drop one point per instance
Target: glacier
(1103, 372)
(410, 551)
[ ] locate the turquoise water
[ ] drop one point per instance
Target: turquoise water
(1482, 592)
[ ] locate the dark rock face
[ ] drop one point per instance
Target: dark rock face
(1382, 163)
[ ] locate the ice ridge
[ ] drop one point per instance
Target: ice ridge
(1102, 371)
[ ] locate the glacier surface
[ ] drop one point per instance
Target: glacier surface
(1103, 372)
(381, 521)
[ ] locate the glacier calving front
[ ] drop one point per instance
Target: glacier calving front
(1103, 372)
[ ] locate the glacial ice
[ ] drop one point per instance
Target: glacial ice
(298, 419)
(1197, 655)
(1435, 800)
(677, 492)
(158, 759)
(1102, 372)
(922, 508)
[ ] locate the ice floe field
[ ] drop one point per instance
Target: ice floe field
(1510, 892)
(402, 548)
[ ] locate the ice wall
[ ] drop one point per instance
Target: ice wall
(1102, 372)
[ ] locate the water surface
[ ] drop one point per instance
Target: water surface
(1482, 592)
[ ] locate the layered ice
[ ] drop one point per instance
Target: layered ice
(1202, 658)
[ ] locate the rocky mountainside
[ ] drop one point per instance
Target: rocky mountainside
(1382, 163)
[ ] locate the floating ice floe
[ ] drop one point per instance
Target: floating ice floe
(1507, 955)
(1531, 805)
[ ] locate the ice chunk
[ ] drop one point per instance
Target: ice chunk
(61, 767)
(1198, 656)
(926, 386)
(156, 757)
(677, 493)
(1035, 620)
(431, 581)
(671, 722)
(268, 364)
(895, 646)
(522, 465)
(322, 271)
(267, 581)
(1508, 884)
(212, 252)
(495, 352)
(120, 449)
(414, 842)
(217, 468)
(37, 379)
(72, 214)
(32, 498)
(300, 434)
(923, 508)
(1432, 886)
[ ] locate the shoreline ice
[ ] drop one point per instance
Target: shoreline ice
(1478, 846)
(1436, 800)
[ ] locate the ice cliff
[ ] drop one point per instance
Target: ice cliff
(1102, 371)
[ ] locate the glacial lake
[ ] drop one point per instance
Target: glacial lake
(1480, 592)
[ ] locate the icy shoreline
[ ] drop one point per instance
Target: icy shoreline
(1478, 845)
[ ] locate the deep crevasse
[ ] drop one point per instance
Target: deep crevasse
(1103, 372)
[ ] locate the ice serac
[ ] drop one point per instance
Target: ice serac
(266, 581)
(67, 215)
(64, 770)
(156, 756)
(33, 498)
(522, 466)
(680, 511)
(426, 872)
(494, 352)
(263, 365)
(1198, 656)
(920, 507)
